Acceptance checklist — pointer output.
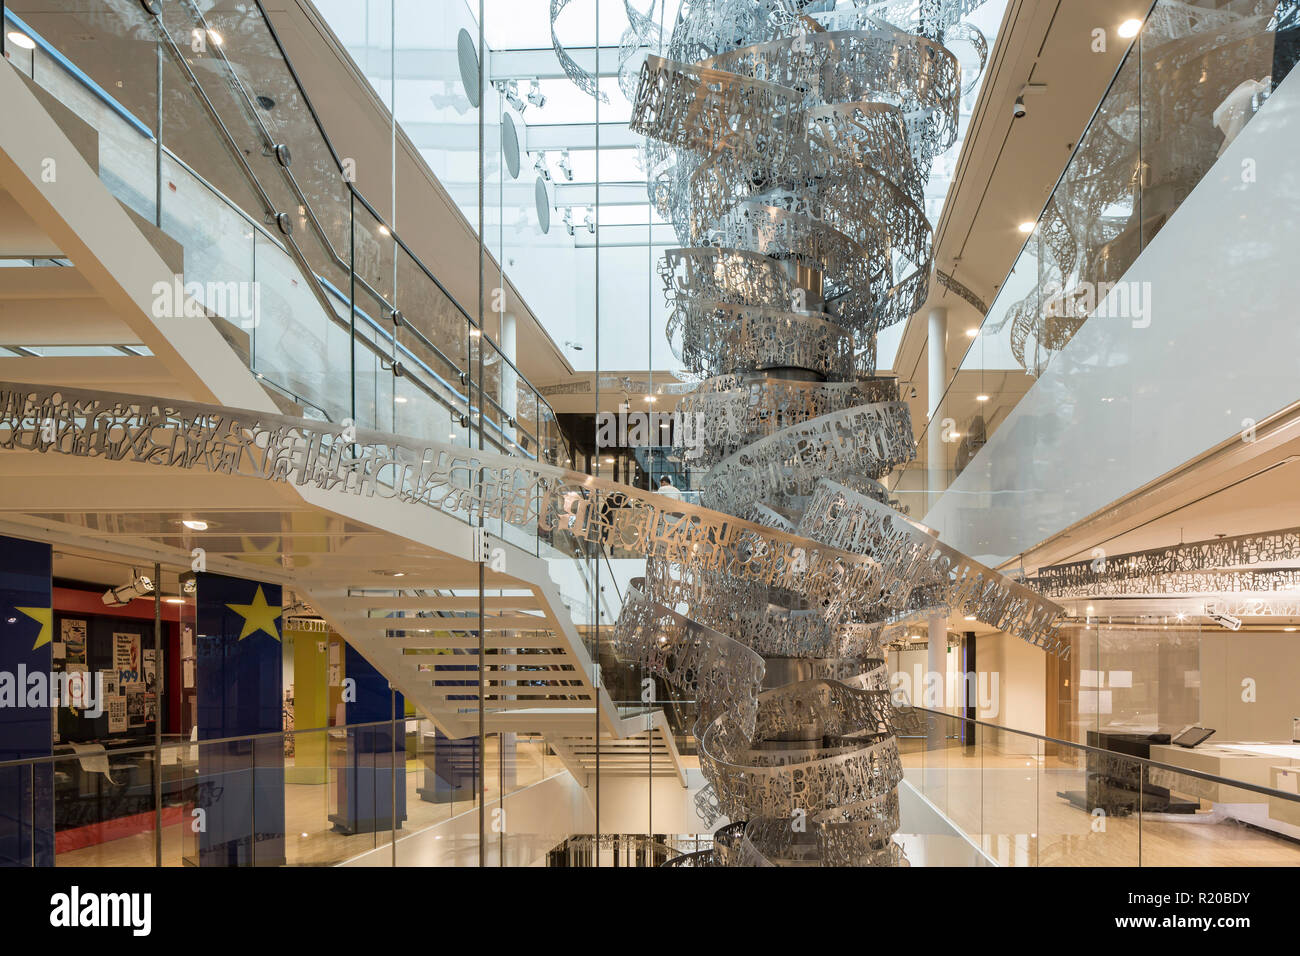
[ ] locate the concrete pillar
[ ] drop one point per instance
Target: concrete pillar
(936, 457)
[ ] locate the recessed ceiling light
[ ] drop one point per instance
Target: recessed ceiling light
(971, 333)
(195, 524)
(400, 399)
(1129, 28)
(20, 39)
(651, 398)
(981, 398)
(1027, 226)
(969, 617)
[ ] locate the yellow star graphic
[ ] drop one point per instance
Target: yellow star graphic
(43, 616)
(258, 616)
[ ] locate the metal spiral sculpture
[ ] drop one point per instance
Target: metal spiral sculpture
(788, 144)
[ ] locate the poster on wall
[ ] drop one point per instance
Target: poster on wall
(78, 682)
(135, 704)
(150, 707)
(116, 707)
(72, 633)
(152, 670)
(111, 687)
(126, 658)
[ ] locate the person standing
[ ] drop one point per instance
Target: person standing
(667, 488)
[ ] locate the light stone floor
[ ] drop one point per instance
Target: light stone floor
(310, 839)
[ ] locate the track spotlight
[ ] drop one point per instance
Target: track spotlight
(510, 90)
(535, 94)
(139, 585)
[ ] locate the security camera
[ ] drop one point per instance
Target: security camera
(1222, 619)
(1019, 109)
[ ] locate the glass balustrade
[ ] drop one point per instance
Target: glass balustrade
(204, 132)
(324, 796)
(1194, 77)
(1022, 799)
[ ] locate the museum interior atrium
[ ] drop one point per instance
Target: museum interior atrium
(649, 433)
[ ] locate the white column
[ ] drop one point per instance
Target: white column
(936, 457)
(510, 401)
(509, 381)
(936, 666)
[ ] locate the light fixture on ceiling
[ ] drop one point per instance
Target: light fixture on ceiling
(1019, 110)
(971, 333)
(1289, 630)
(567, 219)
(913, 391)
(651, 398)
(195, 524)
(510, 90)
(399, 399)
(609, 461)
(969, 617)
(576, 346)
(541, 168)
(981, 398)
(1027, 227)
(535, 94)
(1129, 28)
(589, 220)
(139, 585)
(21, 40)
(173, 600)
(189, 583)
(566, 166)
